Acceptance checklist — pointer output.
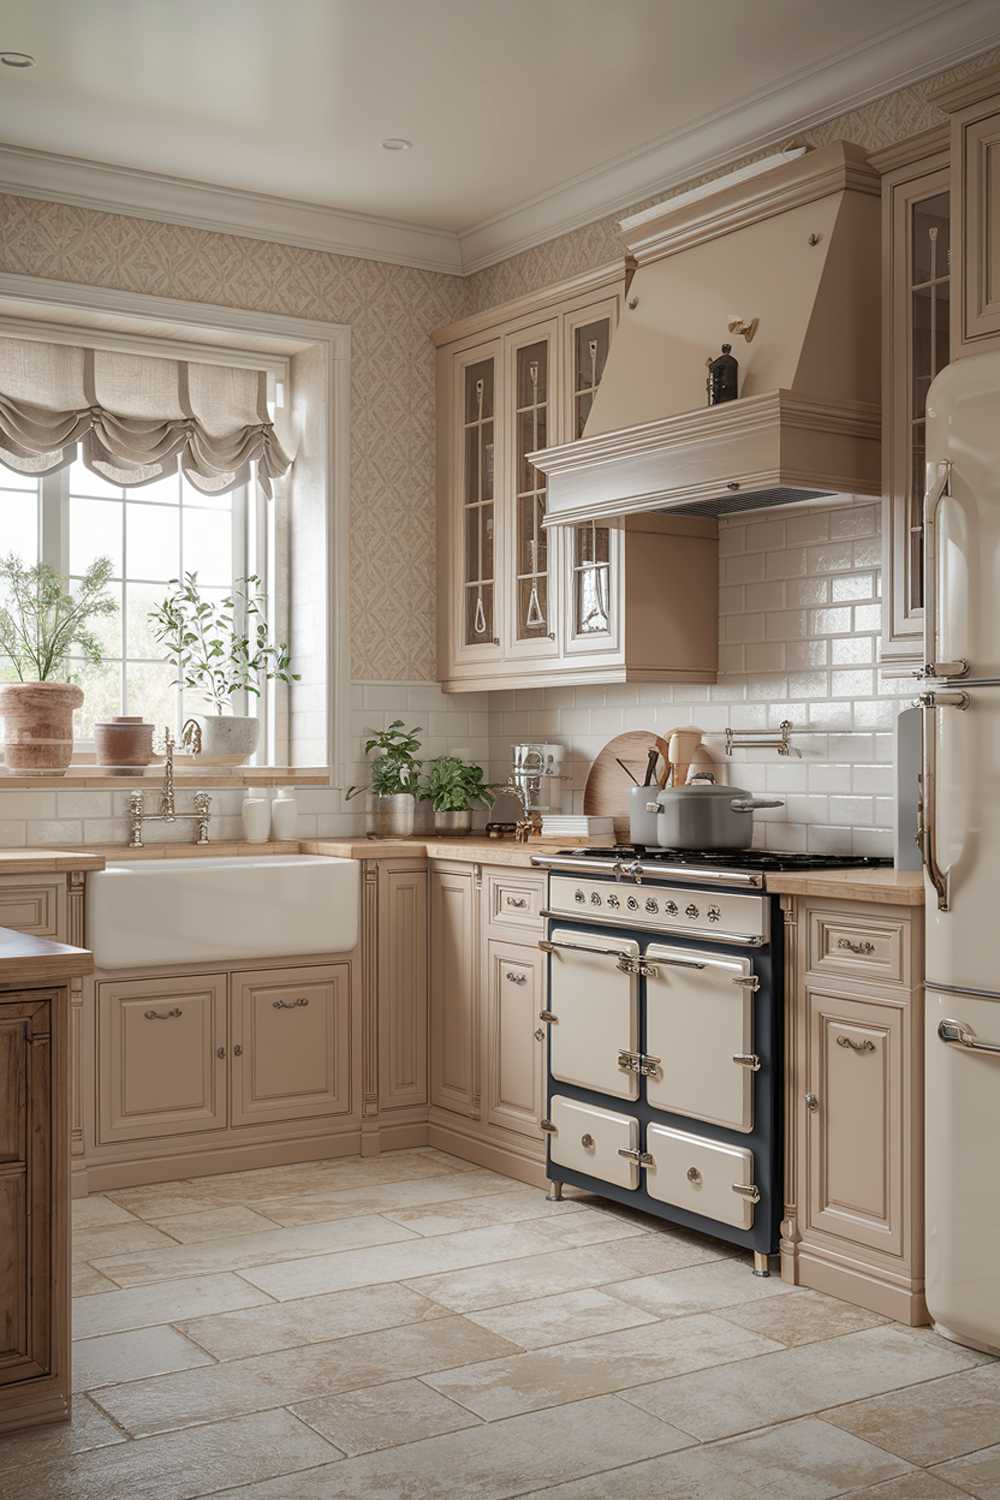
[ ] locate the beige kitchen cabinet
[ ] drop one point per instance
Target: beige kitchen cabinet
(487, 1041)
(973, 105)
(523, 606)
(454, 989)
(917, 300)
(853, 1223)
(163, 1048)
(290, 1037)
(402, 987)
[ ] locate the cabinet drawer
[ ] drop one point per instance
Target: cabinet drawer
(588, 1139)
(514, 900)
(161, 1057)
(291, 1036)
(34, 904)
(703, 1176)
(856, 944)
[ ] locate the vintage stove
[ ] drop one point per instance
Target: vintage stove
(664, 1019)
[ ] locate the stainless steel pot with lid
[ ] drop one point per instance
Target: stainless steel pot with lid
(703, 815)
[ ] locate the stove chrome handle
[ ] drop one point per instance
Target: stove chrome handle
(929, 703)
(937, 485)
(959, 1034)
(545, 946)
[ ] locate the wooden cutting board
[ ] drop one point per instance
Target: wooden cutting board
(606, 792)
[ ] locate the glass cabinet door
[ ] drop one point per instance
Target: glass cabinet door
(476, 509)
(531, 378)
(930, 290)
(592, 550)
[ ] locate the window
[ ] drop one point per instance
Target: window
(152, 534)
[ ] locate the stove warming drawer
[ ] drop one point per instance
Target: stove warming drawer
(707, 1177)
(589, 1139)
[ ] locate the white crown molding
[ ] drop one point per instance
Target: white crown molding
(952, 32)
(177, 200)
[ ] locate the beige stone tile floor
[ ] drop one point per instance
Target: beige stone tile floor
(412, 1327)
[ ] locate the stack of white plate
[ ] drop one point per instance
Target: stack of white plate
(577, 826)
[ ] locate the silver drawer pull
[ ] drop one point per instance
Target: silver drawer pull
(751, 1193)
(518, 902)
(747, 1060)
(289, 1004)
(681, 963)
(958, 1034)
(164, 1015)
(546, 947)
(514, 978)
(865, 1046)
(853, 947)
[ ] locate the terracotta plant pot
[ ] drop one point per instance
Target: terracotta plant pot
(124, 744)
(38, 725)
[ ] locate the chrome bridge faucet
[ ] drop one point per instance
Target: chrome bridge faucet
(137, 814)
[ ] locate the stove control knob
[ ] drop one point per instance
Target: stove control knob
(714, 914)
(614, 903)
(595, 899)
(692, 911)
(651, 905)
(579, 897)
(671, 908)
(632, 904)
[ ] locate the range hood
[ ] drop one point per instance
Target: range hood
(797, 249)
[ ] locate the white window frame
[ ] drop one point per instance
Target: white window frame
(70, 312)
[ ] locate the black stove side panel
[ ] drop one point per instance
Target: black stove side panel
(766, 1140)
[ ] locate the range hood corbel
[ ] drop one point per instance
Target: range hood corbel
(798, 250)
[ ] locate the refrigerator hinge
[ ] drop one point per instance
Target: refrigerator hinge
(751, 1193)
(548, 1127)
(747, 1060)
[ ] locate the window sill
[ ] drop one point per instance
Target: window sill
(97, 778)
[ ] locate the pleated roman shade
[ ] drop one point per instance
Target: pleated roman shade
(134, 417)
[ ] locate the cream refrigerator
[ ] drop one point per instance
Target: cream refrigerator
(960, 835)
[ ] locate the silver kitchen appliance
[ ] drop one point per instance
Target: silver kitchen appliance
(538, 772)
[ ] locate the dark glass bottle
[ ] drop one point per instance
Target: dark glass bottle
(723, 377)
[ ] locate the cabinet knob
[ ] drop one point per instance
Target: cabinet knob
(587, 1141)
(539, 1033)
(810, 1100)
(237, 1050)
(220, 1052)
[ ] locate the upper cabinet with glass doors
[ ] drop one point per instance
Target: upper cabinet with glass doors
(521, 605)
(916, 329)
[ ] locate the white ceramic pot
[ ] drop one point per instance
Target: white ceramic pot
(453, 823)
(227, 739)
(394, 815)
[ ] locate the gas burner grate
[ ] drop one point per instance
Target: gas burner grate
(733, 859)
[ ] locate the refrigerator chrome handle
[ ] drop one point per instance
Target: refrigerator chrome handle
(929, 702)
(937, 486)
(958, 1034)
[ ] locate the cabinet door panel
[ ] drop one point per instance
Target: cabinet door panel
(25, 1190)
(35, 904)
(476, 463)
(979, 164)
(854, 1135)
(454, 992)
(529, 551)
(514, 1055)
(162, 1057)
(402, 1003)
(291, 1039)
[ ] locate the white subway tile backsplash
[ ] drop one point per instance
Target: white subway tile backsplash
(857, 811)
(807, 591)
(808, 526)
(837, 557)
(732, 539)
(55, 832)
(867, 617)
(767, 595)
(766, 657)
(800, 655)
(852, 649)
(852, 586)
(829, 621)
(859, 520)
(809, 684)
(743, 568)
(13, 832)
(830, 778)
(852, 683)
(792, 563)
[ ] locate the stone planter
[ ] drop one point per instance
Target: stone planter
(394, 815)
(227, 739)
(38, 725)
(453, 824)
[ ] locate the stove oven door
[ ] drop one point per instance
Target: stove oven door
(592, 1140)
(706, 1177)
(593, 1011)
(699, 1036)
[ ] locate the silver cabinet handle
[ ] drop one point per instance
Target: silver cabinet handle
(848, 1041)
(163, 1015)
(514, 978)
(810, 1100)
(853, 947)
(938, 878)
(289, 1004)
(936, 487)
(958, 1034)
(518, 902)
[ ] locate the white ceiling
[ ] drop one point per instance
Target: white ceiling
(506, 101)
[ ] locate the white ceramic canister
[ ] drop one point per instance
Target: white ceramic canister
(256, 815)
(285, 814)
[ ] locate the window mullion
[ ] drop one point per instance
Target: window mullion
(54, 521)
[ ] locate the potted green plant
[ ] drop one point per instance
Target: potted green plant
(42, 624)
(454, 788)
(213, 656)
(395, 778)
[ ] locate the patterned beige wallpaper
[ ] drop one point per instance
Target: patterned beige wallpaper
(391, 310)
(881, 123)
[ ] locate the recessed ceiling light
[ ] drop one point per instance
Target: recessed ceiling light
(396, 143)
(17, 59)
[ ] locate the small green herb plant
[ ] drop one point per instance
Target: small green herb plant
(42, 624)
(454, 785)
(204, 644)
(396, 768)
